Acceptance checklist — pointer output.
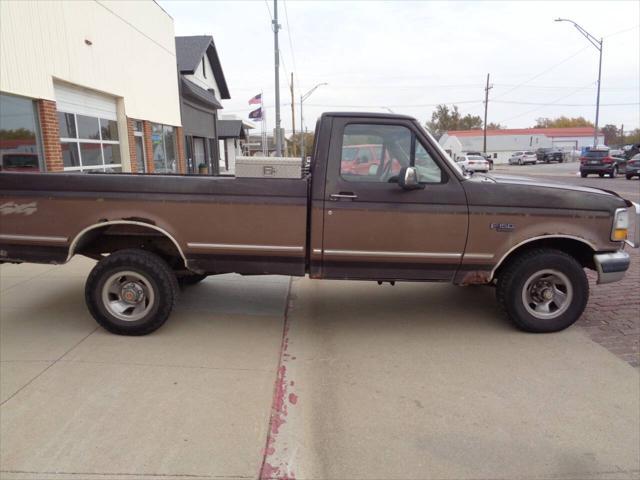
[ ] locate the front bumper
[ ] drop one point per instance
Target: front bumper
(611, 267)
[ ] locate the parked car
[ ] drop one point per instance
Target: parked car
(20, 162)
(473, 163)
(547, 155)
(487, 157)
(522, 158)
(600, 161)
(429, 222)
(633, 167)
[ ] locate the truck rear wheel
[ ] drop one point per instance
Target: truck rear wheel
(543, 290)
(131, 292)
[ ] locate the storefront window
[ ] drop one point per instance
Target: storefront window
(89, 143)
(163, 140)
(19, 134)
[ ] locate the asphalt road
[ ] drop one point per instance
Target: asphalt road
(569, 173)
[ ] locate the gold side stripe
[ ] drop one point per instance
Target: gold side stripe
(242, 246)
(479, 255)
(34, 238)
(374, 253)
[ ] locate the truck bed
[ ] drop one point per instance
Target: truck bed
(219, 224)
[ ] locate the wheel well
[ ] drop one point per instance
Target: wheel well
(101, 240)
(579, 250)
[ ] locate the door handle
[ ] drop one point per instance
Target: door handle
(345, 195)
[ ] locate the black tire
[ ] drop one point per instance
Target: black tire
(614, 172)
(191, 279)
(628, 177)
(583, 174)
(151, 275)
(513, 280)
(601, 175)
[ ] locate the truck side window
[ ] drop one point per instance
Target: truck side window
(374, 153)
(428, 169)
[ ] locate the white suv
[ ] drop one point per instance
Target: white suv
(522, 158)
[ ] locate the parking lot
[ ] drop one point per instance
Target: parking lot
(268, 377)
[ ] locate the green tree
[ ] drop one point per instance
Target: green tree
(444, 119)
(562, 122)
(495, 126)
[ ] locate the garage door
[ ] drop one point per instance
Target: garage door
(84, 101)
(89, 136)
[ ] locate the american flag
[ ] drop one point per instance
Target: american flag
(256, 100)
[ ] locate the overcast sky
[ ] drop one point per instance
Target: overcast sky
(410, 55)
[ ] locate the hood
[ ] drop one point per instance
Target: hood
(519, 180)
(526, 192)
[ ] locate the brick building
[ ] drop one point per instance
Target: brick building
(89, 86)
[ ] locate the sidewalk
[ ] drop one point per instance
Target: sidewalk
(189, 401)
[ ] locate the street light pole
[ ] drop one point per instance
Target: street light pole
(276, 51)
(302, 99)
(598, 44)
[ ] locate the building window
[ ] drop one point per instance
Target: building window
(19, 134)
(163, 140)
(89, 143)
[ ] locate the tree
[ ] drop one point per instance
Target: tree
(632, 137)
(293, 144)
(610, 133)
(562, 122)
(494, 126)
(444, 119)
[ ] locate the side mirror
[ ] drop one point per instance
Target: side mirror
(408, 179)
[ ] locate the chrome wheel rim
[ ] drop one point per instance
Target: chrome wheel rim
(128, 296)
(547, 294)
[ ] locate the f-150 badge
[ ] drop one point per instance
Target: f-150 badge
(10, 208)
(502, 227)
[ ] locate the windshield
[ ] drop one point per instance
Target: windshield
(475, 157)
(444, 153)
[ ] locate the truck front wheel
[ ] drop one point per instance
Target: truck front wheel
(131, 292)
(543, 290)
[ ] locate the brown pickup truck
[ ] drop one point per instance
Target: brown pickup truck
(428, 221)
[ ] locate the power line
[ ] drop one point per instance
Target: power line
(568, 104)
(590, 84)
(538, 75)
(293, 56)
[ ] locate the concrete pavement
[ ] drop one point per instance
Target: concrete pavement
(428, 382)
(191, 400)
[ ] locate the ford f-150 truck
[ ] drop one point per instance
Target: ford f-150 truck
(427, 221)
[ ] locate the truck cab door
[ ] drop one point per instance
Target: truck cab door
(373, 228)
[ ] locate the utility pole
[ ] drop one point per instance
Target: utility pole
(276, 52)
(622, 136)
(486, 105)
(293, 119)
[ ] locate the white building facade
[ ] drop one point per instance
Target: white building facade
(502, 143)
(90, 85)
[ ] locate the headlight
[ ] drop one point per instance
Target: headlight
(620, 225)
